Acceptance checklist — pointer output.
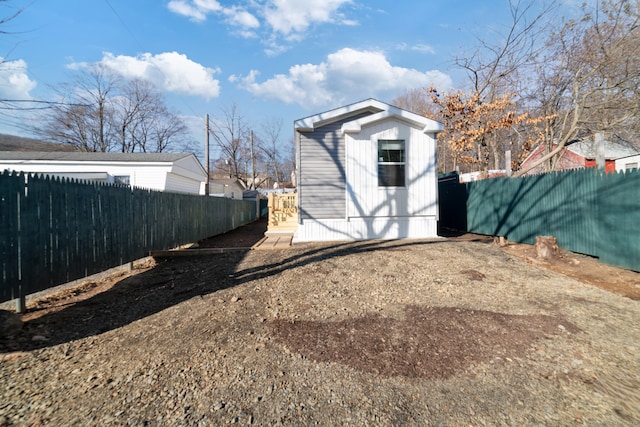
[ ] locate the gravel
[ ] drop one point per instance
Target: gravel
(428, 333)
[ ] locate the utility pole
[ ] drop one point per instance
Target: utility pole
(253, 162)
(600, 154)
(206, 153)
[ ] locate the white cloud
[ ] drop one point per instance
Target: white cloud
(291, 17)
(241, 18)
(196, 10)
(278, 19)
(420, 48)
(345, 75)
(15, 84)
(238, 17)
(169, 71)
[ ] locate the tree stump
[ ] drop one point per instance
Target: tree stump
(546, 247)
(500, 241)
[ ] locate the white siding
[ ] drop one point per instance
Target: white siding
(383, 213)
(365, 198)
(366, 228)
(369, 211)
(153, 178)
(180, 184)
(627, 162)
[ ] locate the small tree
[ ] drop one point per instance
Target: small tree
(469, 125)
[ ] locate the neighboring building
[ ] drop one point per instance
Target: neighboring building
(478, 175)
(172, 172)
(628, 163)
(580, 155)
(230, 188)
(366, 171)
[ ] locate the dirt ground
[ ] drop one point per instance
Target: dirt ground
(454, 332)
(583, 268)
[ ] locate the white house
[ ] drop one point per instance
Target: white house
(366, 171)
(628, 163)
(230, 188)
(172, 172)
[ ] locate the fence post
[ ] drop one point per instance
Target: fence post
(21, 301)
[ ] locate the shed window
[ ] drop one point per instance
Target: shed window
(391, 163)
(631, 166)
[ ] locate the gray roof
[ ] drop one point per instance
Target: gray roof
(225, 181)
(612, 150)
(84, 156)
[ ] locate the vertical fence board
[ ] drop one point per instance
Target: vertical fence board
(11, 193)
(619, 218)
(56, 230)
(589, 212)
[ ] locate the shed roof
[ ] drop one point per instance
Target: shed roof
(226, 181)
(378, 111)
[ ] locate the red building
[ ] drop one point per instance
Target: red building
(579, 155)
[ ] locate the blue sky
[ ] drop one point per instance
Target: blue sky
(283, 59)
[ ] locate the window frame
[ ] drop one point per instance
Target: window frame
(400, 164)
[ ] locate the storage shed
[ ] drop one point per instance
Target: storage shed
(173, 172)
(366, 171)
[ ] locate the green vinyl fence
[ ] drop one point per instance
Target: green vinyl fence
(589, 212)
(54, 230)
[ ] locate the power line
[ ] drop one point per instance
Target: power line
(115, 12)
(42, 105)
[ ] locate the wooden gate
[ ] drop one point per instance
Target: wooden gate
(283, 212)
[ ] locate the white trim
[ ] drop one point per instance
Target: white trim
(309, 123)
(380, 111)
(428, 125)
(388, 228)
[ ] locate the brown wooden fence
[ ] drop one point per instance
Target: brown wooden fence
(283, 212)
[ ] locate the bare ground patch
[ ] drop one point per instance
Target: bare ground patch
(380, 333)
(429, 342)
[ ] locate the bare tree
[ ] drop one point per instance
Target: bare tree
(591, 78)
(417, 100)
(231, 135)
(497, 68)
(503, 67)
(168, 132)
(144, 122)
(270, 147)
(8, 18)
(102, 112)
(83, 119)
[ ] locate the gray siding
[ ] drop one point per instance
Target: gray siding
(322, 171)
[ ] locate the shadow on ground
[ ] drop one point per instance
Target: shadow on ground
(171, 281)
